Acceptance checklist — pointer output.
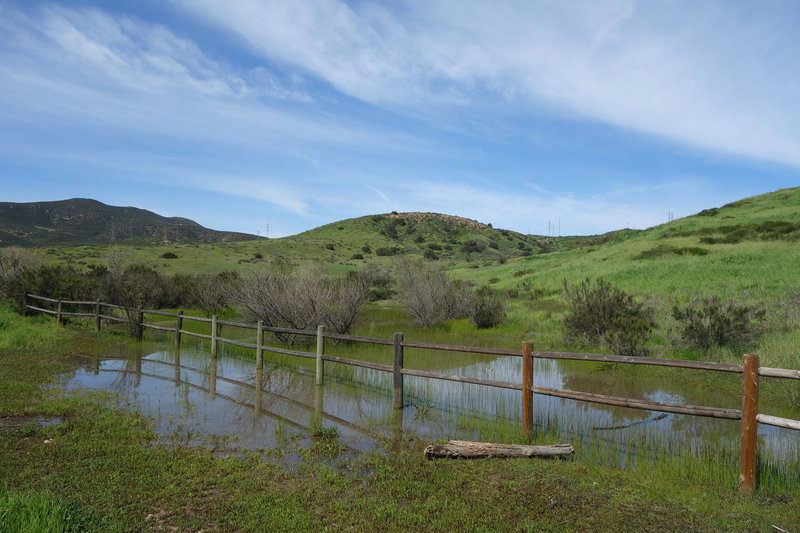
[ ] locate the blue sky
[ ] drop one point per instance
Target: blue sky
(276, 116)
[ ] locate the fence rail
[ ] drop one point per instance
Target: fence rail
(751, 370)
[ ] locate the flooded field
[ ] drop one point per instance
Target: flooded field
(188, 391)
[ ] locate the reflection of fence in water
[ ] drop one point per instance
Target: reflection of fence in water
(751, 370)
(270, 401)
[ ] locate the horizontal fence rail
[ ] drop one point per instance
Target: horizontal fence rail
(751, 370)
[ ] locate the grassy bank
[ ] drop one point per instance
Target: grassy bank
(95, 467)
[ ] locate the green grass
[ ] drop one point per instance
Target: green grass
(107, 470)
(32, 512)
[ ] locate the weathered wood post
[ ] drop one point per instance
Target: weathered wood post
(527, 383)
(747, 474)
(259, 348)
(178, 328)
(320, 351)
(25, 303)
(97, 316)
(397, 344)
(58, 313)
(214, 336)
(259, 367)
(139, 323)
(316, 414)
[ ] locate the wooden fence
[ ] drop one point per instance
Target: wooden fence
(750, 369)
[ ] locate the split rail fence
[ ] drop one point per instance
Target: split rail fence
(750, 369)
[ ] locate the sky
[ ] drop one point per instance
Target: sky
(275, 117)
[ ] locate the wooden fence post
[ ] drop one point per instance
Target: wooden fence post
(747, 474)
(25, 303)
(396, 368)
(259, 381)
(214, 336)
(320, 350)
(527, 383)
(178, 327)
(139, 323)
(58, 313)
(260, 347)
(97, 315)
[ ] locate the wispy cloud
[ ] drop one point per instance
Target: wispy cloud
(714, 75)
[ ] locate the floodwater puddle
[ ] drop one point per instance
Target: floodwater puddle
(187, 392)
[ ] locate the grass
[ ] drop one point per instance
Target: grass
(34, 512)
(106, 469)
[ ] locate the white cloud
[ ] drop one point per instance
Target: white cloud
(714, 75)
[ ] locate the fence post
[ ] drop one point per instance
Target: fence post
(260, 347)
(178, 327)
(527, 383)
(139, 323)
(25, 303)
(214, 336)
(320, 351)
(747, 474)
(396, 368)
(97, 315)
(58, 313)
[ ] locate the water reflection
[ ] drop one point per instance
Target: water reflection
(232, 395)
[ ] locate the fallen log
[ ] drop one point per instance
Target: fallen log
(464, 449)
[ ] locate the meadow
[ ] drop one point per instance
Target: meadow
(745, 252)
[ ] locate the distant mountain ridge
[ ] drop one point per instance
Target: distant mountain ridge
(87, 221)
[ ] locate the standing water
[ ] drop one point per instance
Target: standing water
(185, 390)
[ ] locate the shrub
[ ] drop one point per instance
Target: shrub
(429, 296)
(472, 246)
(434, 246)
(367, 249)
(302, 298)
(419, 239)
(602, 313)
(385, 252)
(169, 255)
(357, 256)
(709, 321)
(330, 246)
(258, 255)
(430, 254)
(487, 309)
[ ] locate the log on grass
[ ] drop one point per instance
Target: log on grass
(464, 449)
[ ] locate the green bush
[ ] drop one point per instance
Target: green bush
(169, 255)
(709, 321)
(487, 309)
(600, 313)
(386, 252)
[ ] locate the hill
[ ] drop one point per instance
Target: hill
(746, 247)
(86, 221)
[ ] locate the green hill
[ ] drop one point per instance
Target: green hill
(749, 245)
(86, 221)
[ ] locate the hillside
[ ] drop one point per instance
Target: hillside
(746, 247)
(86, 221)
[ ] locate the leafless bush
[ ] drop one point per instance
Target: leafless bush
(429, 296)
(15, 264)
(212, 294)
(301, 298)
